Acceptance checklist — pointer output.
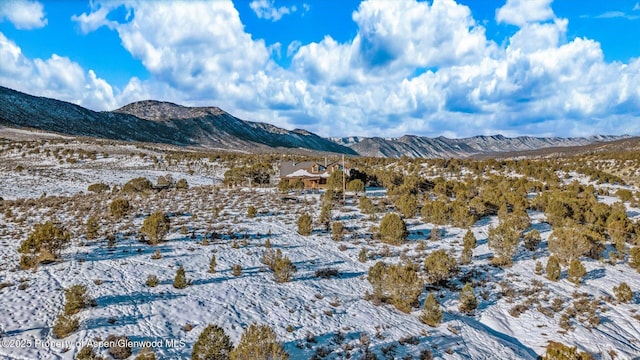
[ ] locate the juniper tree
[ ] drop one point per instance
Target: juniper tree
(569, 243)
(304, 224)
(538, 268)
(165, 180)
(576, 271)
(283, 186)
(519, 219)
(356, 186)
(634, 258)
(325, 216)
(269, 257)
(139, 184)
(259, 342)
(553, 268)
(328, 197)
(76, 299)
(64, 326)
(531, 240)
(146, 353)
(98, 188)
(252, 211)
(559, 351)
(469, 243)
(87, 353)
(156, 227)
(407, 286)
(623, 292)
(337, 230)
(439, 266)
(366, 205)
(396, 284)
(362, 255)
(44, 244)
(152, 280)
(91, 228)
(435, 234)
(465, 258)
(431, 312)
(619, 227)
(182, 184)
(376, 277)
(469, 240)
(119, 346)
(336, 180)
(119, 208)
(503, 240)
(283, 268)
(461, 215)
(468, 301)
(407, 205)
(180, 280)
(436, 212)
(212, 344)
(237, 270)
(393, 230)
(624, 195)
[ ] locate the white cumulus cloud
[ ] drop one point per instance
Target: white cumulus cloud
(97, 17)
(423, 68)
(266, 9)
(57, 77)
(213, 58)
(24, 14)
(521, 12)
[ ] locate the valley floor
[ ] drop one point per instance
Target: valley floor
(311, 315)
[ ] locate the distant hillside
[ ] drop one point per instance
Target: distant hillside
(425, 147)
(212, 127)
(23, 110)
(628, 144)
(158, 122)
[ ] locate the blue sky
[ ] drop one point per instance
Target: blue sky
(341, 68)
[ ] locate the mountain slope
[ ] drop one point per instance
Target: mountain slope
(159, 122)
(627, 144)
(211, 126)
(23, 110)
(425, 147)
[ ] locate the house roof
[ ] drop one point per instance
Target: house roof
(305, 173)
(288, 167)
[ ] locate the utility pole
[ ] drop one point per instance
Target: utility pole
(344, 183)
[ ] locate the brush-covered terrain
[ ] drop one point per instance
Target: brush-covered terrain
(119, 250)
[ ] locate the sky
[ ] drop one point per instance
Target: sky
(342, 67)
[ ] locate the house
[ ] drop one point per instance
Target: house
(312, 174)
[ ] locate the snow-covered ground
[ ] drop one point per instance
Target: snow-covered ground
(322, 313)
(47, 175)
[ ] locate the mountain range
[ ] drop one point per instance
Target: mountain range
(157, 122)
(213, 128)
(425, 147)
